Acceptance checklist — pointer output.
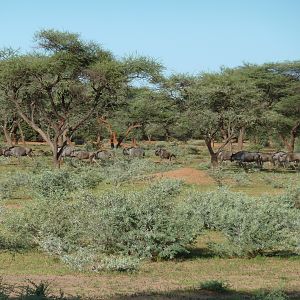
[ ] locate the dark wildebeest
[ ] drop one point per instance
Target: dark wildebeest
(134, 152)
(247, 157)
(17, 151)
(103, 155)
(224, 156)
(280, 159)
(164, 154)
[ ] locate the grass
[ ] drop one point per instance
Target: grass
(179, 279)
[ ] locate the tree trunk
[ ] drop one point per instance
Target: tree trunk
(55, 161)
(22, 134)
(241, 139)
(7, 135)
(213, 155)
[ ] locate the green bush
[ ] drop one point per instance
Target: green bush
(12, 184)
(65, 181)
(270, 295)
(147, 224)
(215, 286)
(252, 225)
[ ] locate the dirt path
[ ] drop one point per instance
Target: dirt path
(189, 175)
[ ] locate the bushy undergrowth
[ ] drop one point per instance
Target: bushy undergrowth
(147, 224)
(12, 183)
(270, 295)
(252, 225)
(131, 169)
(65, 181)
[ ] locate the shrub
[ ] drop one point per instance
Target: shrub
(215, 286)
(270, 295)
(252, 225)
(65, 181)
(131, 169)
(12, 184)
(147, 224)
(118, 263)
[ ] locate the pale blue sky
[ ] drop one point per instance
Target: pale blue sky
(187, 36)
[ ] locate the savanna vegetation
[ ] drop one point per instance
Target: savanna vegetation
(172, 224)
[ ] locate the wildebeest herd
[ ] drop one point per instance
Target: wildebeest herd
(280, 158)
(92, 156)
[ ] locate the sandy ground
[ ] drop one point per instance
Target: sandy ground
(188, 175)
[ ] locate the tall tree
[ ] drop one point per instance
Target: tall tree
(219, 105)
(56, 90)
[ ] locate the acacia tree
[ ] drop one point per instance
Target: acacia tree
(218, 105)
(56, 90)
(279, 85)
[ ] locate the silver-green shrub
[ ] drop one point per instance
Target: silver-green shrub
(12, 184)
(148, 224)
(252, 226)
(64, 181)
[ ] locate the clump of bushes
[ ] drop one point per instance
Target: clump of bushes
(252, 226)
(65, 181)
(148, 224)
(12, 184)
(131, 169)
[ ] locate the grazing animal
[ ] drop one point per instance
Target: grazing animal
(247, 157)
(293, 158)
(17, 151)
(267, 157)
(83, 155)
(164, 154)
(134, 152)
(224, 156)
(103, 155)
(280, 159)
(66, 152)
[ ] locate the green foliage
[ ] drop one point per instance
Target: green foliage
(130, 170)
(218, 174)
(118, 263)
(215, 286)
(12, 184)
(147, 224)
(270, 295)
(65, 181)
(251, 226)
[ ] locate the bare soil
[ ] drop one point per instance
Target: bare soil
(188, 175)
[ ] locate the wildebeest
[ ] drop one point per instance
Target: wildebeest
(164, 154)
(134, 152)
(103, 155)
(17, 151)
(280, 159)
(67, 151)
(293, 158)
(267, 157)
(224, 156)
(247, 157)
(83, 155)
